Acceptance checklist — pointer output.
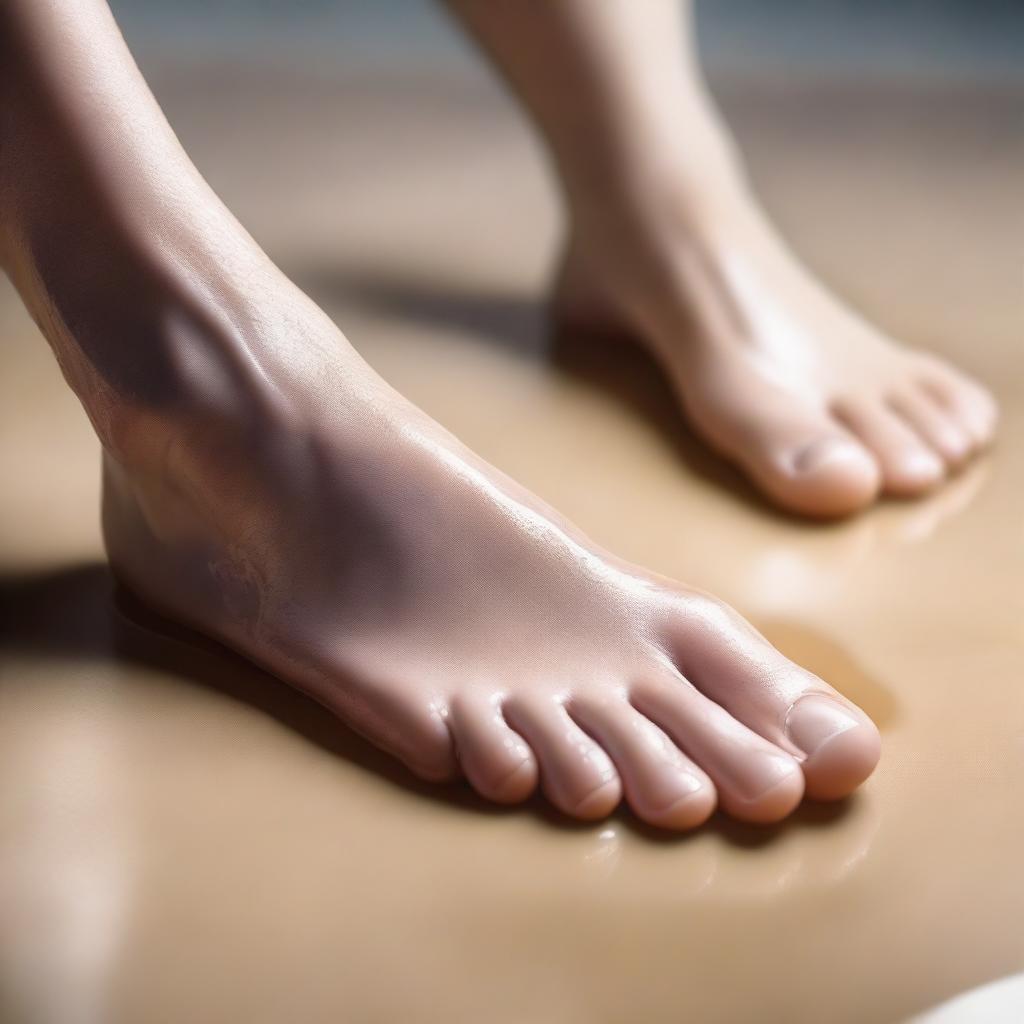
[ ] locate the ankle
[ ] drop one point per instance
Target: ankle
(156, 340)
(694, 168)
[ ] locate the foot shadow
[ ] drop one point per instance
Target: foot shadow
(80, 614)
(518, 324)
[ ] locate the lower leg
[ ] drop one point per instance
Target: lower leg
(668, 245)
(263, 485)
(119, 248)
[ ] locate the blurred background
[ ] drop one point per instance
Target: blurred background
(895, 37)
(366, 145)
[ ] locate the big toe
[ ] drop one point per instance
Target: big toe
(797, 454)
(836, 744)
(814, 470)
(841, 744)
(830, 475)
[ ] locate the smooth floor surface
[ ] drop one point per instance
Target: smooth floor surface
(184, 839)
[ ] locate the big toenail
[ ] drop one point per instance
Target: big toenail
(819, 452)
(815, 719)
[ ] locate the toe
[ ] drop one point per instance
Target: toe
(498, 762)
(662, 785)
(798, 454)
(972, 405)
(727, 660)
(756, 780)
(576, 774)
(829, 474)
(416, 732)
(841, 746)
(909, 466)
(936, 427)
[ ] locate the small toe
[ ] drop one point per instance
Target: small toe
(417, 734)
(909, 466)
(498, 762)
(972, 405)
(756, 780)
(939, 429)
(662, 786)
(576, 774)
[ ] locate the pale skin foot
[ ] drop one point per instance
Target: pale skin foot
(353, 547)
(669, 247)
(264, 486)
(357, 550)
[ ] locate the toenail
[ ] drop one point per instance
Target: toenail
(691, 787)
(683, 808)
(815, 719)
(766, 776)
(513, 784)
(597, 803)
(923, 466)
(822, 451)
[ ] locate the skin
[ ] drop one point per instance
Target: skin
(263, 485)
(668, 246)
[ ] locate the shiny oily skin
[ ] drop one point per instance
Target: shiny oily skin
(451, 618)
(263, 485)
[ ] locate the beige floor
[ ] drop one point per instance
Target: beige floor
(183, 839)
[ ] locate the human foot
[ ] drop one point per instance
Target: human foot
(263, 485)
(343, 540)
(820, 410)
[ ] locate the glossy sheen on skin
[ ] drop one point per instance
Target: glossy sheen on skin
(451, 618)
(669, 247)
(263, 485)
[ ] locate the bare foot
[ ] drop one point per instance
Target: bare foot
(669, 247)
(264, 486)
(347, 543)
(819, 409)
